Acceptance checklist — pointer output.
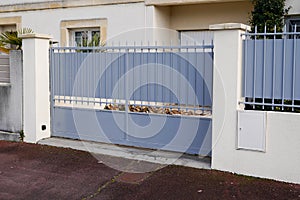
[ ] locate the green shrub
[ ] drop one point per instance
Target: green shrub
(269, 13)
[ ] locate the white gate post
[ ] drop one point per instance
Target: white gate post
(36, 100)
(227, 87)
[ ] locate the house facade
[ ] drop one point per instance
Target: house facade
(69, 22)
(117, 21)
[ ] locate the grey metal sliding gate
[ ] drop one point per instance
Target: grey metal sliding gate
(154, 97)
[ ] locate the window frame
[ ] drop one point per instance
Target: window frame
(89, 31)
(68, 25)
(290, 25)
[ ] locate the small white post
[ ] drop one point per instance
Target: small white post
(227, 87)
(36, 100)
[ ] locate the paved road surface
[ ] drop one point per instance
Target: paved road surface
(29, 171)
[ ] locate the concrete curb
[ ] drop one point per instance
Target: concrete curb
(162, 157)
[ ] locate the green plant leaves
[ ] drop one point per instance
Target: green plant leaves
(269, 13)
(10, 39)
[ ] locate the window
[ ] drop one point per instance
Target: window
(292, 23)
(83, 32)
(85, 37)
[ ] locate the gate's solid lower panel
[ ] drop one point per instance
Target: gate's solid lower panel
(166, 132)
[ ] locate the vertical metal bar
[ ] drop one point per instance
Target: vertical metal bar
(99, 82)
(52, 70)
(65, 76)
(94, 76)
(71, 76)
(212, 77)
(274, 69)
(188, 78)
(52, 73)
(79, 93)
(254, 69)
(203, 78)
(59, 76)
(74, 89)
(86, 81)
(294, 68)
(171, 75)
(245, 63)
(147, 60)
(99, 75)
(178, 80)
(126, 92)
(82, 83)
(76, 70)
(55, 76)
(88, 71)
(264, 68)
(140, 75)
(105, 78)
(156, 75)
(59, 91)
(163, 75)
(283, 68)
(119, 75)
(111, 76)
(68, 71)
(196, 71)
(134, 75)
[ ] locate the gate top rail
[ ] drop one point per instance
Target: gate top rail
(285, 32)
(136, 47)
(272, 34)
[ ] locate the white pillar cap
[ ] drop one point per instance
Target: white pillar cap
(35, 35)
(229, 26)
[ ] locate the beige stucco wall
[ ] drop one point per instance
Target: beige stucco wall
(184, 2)
(192, 17)
(163, 34)
(295, 6)
(28, 5)
(162, 17)
(120, 19)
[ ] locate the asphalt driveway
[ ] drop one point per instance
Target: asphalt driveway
(29, 171)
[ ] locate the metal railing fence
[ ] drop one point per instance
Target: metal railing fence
(271, 70)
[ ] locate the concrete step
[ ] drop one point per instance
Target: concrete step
(147, 155)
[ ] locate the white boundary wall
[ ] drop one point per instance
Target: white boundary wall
(11, 95)
(281, 158)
